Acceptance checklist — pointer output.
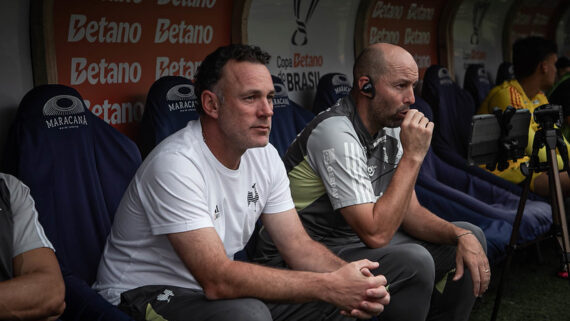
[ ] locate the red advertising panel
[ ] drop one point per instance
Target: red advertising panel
(535, 18)
(112, 51)
(407, 23)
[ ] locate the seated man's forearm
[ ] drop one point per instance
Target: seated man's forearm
(37, 291)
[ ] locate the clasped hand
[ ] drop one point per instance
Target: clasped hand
(361, 294)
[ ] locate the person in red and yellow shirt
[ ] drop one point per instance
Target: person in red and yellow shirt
(534, 60)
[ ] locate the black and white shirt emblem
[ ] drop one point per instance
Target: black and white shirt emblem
(252, 196)
(216, 213)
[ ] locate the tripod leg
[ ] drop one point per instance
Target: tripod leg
(512, 246)
(559, 216)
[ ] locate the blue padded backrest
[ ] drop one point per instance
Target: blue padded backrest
(505, 72)
(331, 88)
(452, 108)
(474, 197)
(283, 129)
(459, 161)
(77, 167)
(288, 118)
(476, 83)
(170, 105)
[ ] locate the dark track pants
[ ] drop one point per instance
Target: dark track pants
(411, 266)
(160, 303)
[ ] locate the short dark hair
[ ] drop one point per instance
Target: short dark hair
(562, 62)
(529, 52)
(210, 70)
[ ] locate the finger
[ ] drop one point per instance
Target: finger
(412, 116)
(377, 293)
(424, 121)
(366, 272)
(485, 278)
(359, 314)
(366, 264)
(459, 270)
(477, 276)
(384, 300)
(373, 308)
(417, 117)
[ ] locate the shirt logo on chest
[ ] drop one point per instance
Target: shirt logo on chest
(371, 170)
(216, 213)
(252, 196)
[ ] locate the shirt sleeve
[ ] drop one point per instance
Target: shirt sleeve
(174, 195)
(334, 152)
(28, 233)
(279, 199)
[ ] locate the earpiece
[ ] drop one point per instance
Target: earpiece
(368, 88)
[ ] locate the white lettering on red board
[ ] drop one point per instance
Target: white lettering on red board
(188, 3)
(104, 72)
(387, 11)
(416, 12)
(182, 33)
(102, 31)
(180, 67)
(117, 113)
(383, 35)
(124, 1)
(416, 37)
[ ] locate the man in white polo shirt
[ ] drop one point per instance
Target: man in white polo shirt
(194, 203)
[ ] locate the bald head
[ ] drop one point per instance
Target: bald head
(380, 58)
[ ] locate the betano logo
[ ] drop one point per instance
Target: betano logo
(181, 98)
(64, 111)
(299, 37)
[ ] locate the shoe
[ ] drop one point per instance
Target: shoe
(563, 274)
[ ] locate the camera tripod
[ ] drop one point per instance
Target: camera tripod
(550, 137)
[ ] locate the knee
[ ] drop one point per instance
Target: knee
(250, 310)
(418, 263)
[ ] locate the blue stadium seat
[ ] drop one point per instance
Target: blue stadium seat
(486, 201)
(453, 110)
(170, 105)
(504, 72)
(288, 118)
(477, 83)
(331, 88)
(77, 167)
(497, 232)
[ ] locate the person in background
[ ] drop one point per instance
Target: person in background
(534, 63)
(31, 284)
